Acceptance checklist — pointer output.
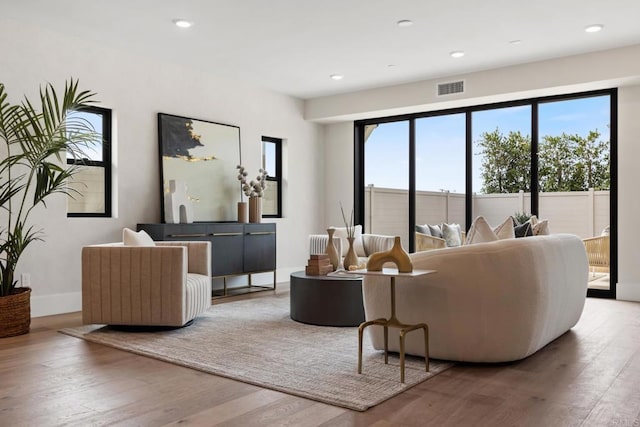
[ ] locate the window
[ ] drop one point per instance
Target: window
(554, 157)
(272, 163)
(91, 185)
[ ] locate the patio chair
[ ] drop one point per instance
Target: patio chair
(598, 253)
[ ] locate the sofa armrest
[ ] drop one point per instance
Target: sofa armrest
(424, 242)
(198, 254)
(376, 243)
(318, 244)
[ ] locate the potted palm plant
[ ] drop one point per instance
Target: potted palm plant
(36, 138)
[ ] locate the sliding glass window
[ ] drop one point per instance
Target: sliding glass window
(386, 156)
(501, 162)
(575, 176)
(440, 170)
(552, 157)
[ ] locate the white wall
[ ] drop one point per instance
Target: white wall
(613, 68)
(137, 88)
(628, 193)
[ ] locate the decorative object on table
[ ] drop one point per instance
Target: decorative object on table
(396, 255)
(177, 206)
(318, 265)
(202, 154)
(254, 190)
(243, 212)
(350, 259)
(35, 145)
(255, 209)
(334, 257)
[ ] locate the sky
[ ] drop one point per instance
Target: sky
(440, 141)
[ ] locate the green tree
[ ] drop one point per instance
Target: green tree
(592, 161)
(555, 163)
(570, 162)
(506, 162)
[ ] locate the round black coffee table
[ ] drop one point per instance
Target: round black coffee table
(326, 300)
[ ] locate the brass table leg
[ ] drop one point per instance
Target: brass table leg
(404, 329)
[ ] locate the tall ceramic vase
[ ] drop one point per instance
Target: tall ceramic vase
(331, 250)
(255, 209)
(242, 212)
(351, 259)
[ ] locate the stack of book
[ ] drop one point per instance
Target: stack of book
(318, 265)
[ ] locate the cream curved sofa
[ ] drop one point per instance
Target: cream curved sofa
(488, 302)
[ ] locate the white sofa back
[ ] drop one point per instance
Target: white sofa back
(488, 302)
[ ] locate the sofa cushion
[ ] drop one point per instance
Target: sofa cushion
(435, 231)
(358, 245)
(452, 235)
(141, 238)
(523, 230)
(424, 229)
(480, 232)
(541, 228)
(505, 230)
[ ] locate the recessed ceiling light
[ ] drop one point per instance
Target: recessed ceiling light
(182, 23)
(456, 54)
(336, 76)
(594, 28)
(404, 23)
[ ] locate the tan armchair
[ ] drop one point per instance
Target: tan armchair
(598, 253)
(164, 285)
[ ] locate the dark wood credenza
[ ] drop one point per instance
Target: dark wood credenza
(236, 248)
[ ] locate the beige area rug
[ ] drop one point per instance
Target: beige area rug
(255, 341)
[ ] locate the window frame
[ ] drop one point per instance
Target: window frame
(105, 163)
(277, 177)
(359, 164)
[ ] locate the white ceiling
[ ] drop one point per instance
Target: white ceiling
(292, 46)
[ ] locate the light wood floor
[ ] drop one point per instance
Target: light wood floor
(590, 376)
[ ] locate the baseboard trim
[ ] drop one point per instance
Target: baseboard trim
(48, 305)
(628, 291)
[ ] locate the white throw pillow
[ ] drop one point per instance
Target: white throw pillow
(358, 244)
(541, 228)
(505, 230)
(480, 232)
(141, 238)
(451, 234)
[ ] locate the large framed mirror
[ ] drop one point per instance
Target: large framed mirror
(203, 155)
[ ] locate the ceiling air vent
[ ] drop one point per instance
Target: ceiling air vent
(451, 88)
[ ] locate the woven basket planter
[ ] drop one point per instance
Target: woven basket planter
(15, 313)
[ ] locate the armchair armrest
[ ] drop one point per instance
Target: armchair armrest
(376, 243)
(318, 244)
(424, 242)
(198, 255)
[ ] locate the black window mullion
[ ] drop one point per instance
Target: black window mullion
(412, 183)
(534, 187)
(468, 196)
